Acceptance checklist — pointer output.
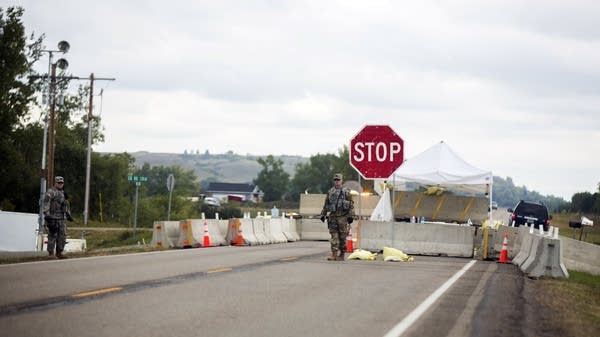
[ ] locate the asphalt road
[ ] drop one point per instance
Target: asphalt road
(275, 290)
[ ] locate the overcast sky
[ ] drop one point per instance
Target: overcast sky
(511, 86)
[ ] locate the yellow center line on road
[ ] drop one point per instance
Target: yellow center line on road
(218, 270)
(96, 292)
(289, 258)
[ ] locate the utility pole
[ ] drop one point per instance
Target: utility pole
(88, 166)
(51, 125)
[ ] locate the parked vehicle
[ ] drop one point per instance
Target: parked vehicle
(494, 205)
(212, 201)
(530, 212)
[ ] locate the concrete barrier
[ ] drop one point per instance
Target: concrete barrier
(286, 228)
(165, 234)
(313, 229)
(259, 231)
(72, 245)
(292, 228)
(418, 238)
(534, 252)
(266, 225)
(549, 261)
(248, 232)
(274, 230)
(445, 207)
(525, 246)
(192, 233)
(312, 204)
(513, 244)
(581, 256)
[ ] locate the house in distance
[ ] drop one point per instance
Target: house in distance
(235, 192)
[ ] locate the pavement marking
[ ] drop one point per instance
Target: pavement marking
(220, 270)
(292, 258)
(96, 292)
(462, 327)
(409, 320)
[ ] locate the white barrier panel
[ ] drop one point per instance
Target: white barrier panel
(186, 235)
(248, 232)
(549, 262)
(215, 230)
(525, 247)
(192, 233)
(18, 231)
(289, 225)
(72, 245)
(281, 229)
(259, 231)
(534, 252)
(165, 234)
(545, 258)
(313, 229)
(418, 238)
(266, 224)
(513, 244)
(223, 226)
(273, 230)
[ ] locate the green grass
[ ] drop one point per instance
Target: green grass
(574, 303)
(591, 234)
(99, 239)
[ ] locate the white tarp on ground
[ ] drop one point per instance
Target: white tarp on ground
(383, 210)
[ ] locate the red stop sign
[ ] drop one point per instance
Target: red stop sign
(376, 151)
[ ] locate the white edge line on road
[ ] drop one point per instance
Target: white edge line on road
(401, 327)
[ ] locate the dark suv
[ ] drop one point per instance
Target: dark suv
(530, 212)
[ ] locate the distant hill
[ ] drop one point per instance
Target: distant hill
(228, 167)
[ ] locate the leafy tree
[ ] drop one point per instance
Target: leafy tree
(185, 181)
(315, 176)
(582, 202)
(272, 179)
(16, 94)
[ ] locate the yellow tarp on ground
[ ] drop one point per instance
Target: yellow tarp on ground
(360, 254)
(393, 254)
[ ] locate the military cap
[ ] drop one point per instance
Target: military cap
(59, 179)
(338, 176)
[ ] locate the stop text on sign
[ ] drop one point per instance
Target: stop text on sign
(376, 151)
(380, 151)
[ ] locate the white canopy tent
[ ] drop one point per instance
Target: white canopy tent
(440, 165)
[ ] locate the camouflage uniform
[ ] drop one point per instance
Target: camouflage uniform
(338, 208)
(55, 209)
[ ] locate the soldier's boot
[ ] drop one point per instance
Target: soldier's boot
(341, 257)
(50, 254)
(61, 256)
(333, 256)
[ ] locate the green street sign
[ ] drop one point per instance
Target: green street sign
(137, 178)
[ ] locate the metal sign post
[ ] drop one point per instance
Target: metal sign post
(138, 181)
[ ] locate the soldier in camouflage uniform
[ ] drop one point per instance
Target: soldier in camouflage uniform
(55, 212)
(339, 211)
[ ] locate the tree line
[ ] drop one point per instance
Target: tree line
(112, 195)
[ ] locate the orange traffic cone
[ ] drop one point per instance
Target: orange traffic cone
(239, 238)
(206, 241)
(504, 252)
(349, 245)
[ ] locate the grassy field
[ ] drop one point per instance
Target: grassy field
(104, 239)
(589, 234)
(573, 305)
